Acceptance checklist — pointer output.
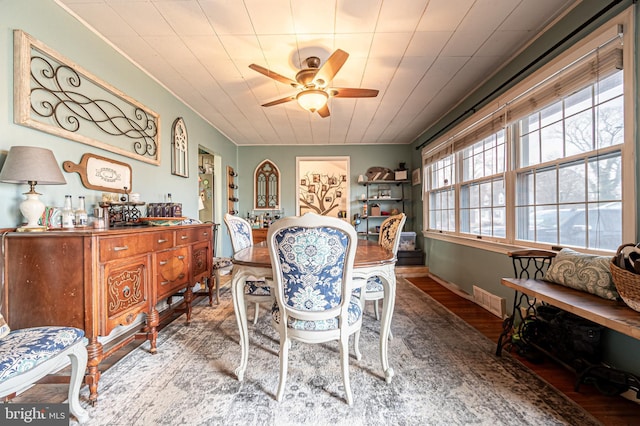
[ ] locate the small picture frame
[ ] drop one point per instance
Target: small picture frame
(415, 177)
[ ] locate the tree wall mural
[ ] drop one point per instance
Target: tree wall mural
(323, 186)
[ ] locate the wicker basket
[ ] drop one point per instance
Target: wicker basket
(627, 283)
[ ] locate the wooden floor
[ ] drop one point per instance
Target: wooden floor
(609, 410)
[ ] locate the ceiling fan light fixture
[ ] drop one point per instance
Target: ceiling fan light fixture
(312, 99)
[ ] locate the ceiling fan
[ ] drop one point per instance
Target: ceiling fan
(313, 83)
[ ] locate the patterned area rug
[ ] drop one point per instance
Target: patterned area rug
(446, 374)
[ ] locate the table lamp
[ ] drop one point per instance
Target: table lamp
(31, 165)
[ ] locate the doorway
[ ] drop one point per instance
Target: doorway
(209, 189)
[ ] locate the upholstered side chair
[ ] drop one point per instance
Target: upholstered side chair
(389, 238)
(29, 354)
(255, 290)
(312, 259)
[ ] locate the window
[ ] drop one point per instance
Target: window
(482, 192)
(266, 186)
(568, 177)
(442, 195)
(546, 167)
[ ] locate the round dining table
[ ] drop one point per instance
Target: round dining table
(371, 260)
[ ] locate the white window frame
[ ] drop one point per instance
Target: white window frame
(597, 38)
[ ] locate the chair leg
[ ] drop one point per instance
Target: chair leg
(344, 365)
(256, 314)
(285, 344)
(78, 358)
(376, 310)
(356, 345)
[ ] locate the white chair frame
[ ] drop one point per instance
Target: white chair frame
(238, 245)
(344, 331)
(77, 355)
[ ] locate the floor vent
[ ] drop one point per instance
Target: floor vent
(492, 303)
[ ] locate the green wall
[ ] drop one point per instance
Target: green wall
(52, 25)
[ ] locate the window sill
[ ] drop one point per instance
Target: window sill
(494, 245)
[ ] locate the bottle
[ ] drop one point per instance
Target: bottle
(68, 216)
(364, 209)
(81, 213)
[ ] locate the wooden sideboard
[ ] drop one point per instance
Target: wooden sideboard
(97, 280)
(259, 235)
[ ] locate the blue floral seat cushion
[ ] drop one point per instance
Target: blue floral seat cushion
(256, 288)
(354, 313)
(221, 262)
(374, 285)
(24, 349)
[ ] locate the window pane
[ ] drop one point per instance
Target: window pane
(546, 187)
(571, 183)
(605, 175)
(609, 119)
(573, 225)
(530, 149)
(605, 226)
(551, 114)
(551, 142)
(579, 101)
(579, 133)
(609, 87)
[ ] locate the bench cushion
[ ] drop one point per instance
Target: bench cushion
(585, 272)
(24, 349)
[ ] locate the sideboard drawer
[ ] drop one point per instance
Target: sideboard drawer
(163, 240)
(121, 247)
(189, 236)
(173, 271)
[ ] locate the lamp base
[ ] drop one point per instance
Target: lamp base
(31, 229)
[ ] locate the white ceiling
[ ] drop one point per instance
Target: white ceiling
(423, 56)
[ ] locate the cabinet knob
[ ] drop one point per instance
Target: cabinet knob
(162, 241)
(180, 257)
(184, 237)
(121, 248)
(163, 262)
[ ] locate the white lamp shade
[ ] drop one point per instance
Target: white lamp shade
(31, 164)
(312, 100)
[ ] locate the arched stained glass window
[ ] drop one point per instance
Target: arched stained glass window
(267, 186)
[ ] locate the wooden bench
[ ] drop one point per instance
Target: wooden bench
(614, 315)
(608, 313)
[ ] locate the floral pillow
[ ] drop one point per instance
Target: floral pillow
(585, 272)
(4, 327)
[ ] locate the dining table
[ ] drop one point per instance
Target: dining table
(371, 260)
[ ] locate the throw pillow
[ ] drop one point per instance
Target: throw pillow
(585, 272)
(4, 327)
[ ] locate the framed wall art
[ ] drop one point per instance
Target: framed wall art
(179, 148)
(323, 186)
(57, 96)
(415, 177)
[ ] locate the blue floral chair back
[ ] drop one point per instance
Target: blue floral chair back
(312, 259)
(256, 290)
(239, 232)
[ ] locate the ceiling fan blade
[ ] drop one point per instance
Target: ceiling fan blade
(324, 111)
(279, 101)
(274, 75)
(348, 92)
(330, 68)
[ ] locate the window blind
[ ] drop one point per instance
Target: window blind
(591, 67)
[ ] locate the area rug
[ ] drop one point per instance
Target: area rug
(446, 374)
